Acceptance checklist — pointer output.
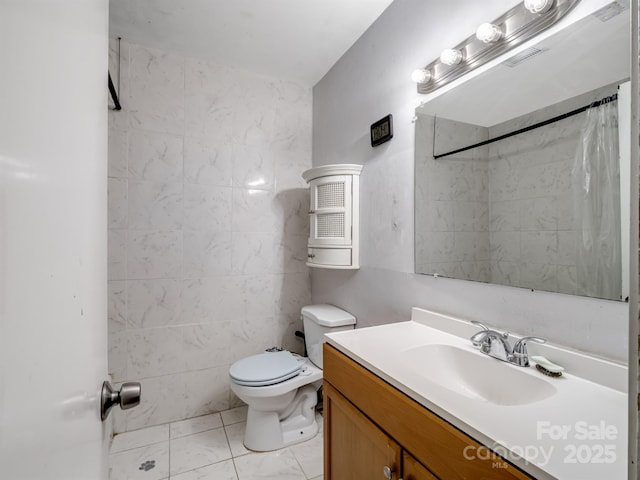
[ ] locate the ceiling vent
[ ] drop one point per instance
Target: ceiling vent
(612, 10)
(522, 56)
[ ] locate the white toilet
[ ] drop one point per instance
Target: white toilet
(280, 388)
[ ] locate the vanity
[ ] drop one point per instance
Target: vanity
(415, 400)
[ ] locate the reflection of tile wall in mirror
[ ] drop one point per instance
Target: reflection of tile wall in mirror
(531, 174)
(456, 200)
(502, 213)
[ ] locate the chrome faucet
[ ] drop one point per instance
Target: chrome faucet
(496, 345)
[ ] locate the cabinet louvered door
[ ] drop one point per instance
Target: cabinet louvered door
(330, 214)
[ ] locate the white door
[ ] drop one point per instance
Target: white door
(53, 151)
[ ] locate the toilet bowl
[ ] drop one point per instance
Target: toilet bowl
(280, 388)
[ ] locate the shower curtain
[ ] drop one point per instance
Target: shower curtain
(596, 182)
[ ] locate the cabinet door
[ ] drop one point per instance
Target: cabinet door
(413, 470)
(330, 213)
(355, 449)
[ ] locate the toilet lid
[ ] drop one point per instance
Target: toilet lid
(264, 369)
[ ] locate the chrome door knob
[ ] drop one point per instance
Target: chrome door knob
(130, 395)
(388, 472)
(127, 397)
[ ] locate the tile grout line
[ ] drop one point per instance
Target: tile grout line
(169, 453)
(293, 454)
(196, 433)
(233, 458)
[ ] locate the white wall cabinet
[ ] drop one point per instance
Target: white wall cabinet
(334, 192)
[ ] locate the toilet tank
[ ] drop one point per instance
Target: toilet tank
(321, 319)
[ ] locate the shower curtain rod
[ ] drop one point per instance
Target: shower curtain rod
(114, 95)
(611, 98)
(112, 89)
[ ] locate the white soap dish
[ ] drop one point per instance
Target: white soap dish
(547, 367)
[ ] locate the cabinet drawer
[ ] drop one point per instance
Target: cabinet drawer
(428, 438)
(329, 256)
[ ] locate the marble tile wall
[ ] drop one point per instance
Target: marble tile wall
(207, 227)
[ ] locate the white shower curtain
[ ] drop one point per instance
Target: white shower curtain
(596, 182)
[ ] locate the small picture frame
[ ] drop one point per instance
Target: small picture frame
(382, 131)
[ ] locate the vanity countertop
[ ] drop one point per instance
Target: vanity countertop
(577, 432)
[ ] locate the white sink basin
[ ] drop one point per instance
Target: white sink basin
(475, 375)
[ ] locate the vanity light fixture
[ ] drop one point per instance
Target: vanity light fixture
(538, 6)
(420, 75)
(491, 40)
(451, 56)
(489, 33)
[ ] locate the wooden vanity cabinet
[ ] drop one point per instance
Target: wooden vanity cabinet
(356, 448)
(414, 470)
(370, 424)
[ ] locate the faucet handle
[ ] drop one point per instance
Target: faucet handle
(481, 325)
(521, 345)
(504, 335)
(520, 353)
(478, 337)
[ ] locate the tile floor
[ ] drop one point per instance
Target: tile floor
(209, 448)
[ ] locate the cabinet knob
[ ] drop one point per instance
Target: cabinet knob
(388, 472)
(311, 255)
(311, 212)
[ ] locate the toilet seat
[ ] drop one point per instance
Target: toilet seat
(264, 369)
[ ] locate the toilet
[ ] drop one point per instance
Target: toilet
(280, 387)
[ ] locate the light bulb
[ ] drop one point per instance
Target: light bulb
(451, 56)
(488, 33)
(421, 75)
(538, 6)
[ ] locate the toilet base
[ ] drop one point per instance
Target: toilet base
(269, 430)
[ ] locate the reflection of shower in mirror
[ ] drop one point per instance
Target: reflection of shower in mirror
(510, 212)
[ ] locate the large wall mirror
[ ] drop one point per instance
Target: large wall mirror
(542, 208)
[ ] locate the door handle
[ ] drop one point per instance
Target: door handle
(127, 397)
